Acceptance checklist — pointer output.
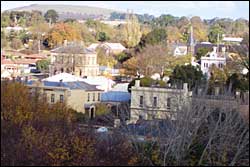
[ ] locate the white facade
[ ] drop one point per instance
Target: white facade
(180, 51)
(212, 58)
(153, 102)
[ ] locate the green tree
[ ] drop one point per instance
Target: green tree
(239, 82)
(102, 36)
(42, 65)
(213, 33)
(202, 52)
(51, 15)
(186, 74)
(156, 36)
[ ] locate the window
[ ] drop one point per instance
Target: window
(61, 98)
(88, 96)
(141, 101)
(98, 96)
(93, 96)
(52, 98)
(155, 102)
(204, 64)
(168, 103)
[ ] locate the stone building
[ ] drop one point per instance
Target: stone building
(75, 59)
(157, 102)
(78, 95)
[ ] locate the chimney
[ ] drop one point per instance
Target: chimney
(65, 42)
(117, 123)
(137, 83)
(185, 87)
(223, 49)
(199, 91)
(61, 80)
(214, 49)
(216, 91)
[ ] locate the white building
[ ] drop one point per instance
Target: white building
(232, 40)
(180, 51)
(110, 48)
(218, 59)
(154, 102)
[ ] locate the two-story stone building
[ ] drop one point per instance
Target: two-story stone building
(157, 102)
(78, 95)
(75, 59)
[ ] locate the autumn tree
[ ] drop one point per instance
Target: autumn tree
(62, 31)
(104, 59)
(131, 32)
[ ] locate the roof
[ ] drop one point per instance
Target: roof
(75, 49)
(232, 39)
(121, 87)
(36, 56)
(65, 77)
(71, 85)
(93, 46)
(102, 82)
(6, 61)
(25, 61)
(114, 46)
(115, 96)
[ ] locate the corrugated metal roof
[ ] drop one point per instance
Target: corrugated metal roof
(73, 49)
(71, 85)
(115, 96)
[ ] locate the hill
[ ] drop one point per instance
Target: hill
(70, 11)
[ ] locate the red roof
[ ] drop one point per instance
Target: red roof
(25, 61)
(35, 56)
(7, 61)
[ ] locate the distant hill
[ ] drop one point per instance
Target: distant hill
(70, 11)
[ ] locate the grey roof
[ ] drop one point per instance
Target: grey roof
(71, 85)
(71, 48)
(115, 96)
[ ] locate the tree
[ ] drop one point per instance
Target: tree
(214, 32)
(131, 32)
(102, 36)
(238, 82)
(200, 31)
(186, 74)
(156, 36)
(152, 59)
(16, 44)
(5, 19)
(202, 52)
(61, 32)
(51, 16)
(104, 59)
(42, 65)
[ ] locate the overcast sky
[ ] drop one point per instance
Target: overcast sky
(204, 9)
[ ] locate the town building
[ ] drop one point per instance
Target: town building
(77, 94)
(157, 102)
(75, 59)
(213, 58)
(110, 48)
(232, 40)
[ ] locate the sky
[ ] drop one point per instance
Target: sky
(204, 9)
